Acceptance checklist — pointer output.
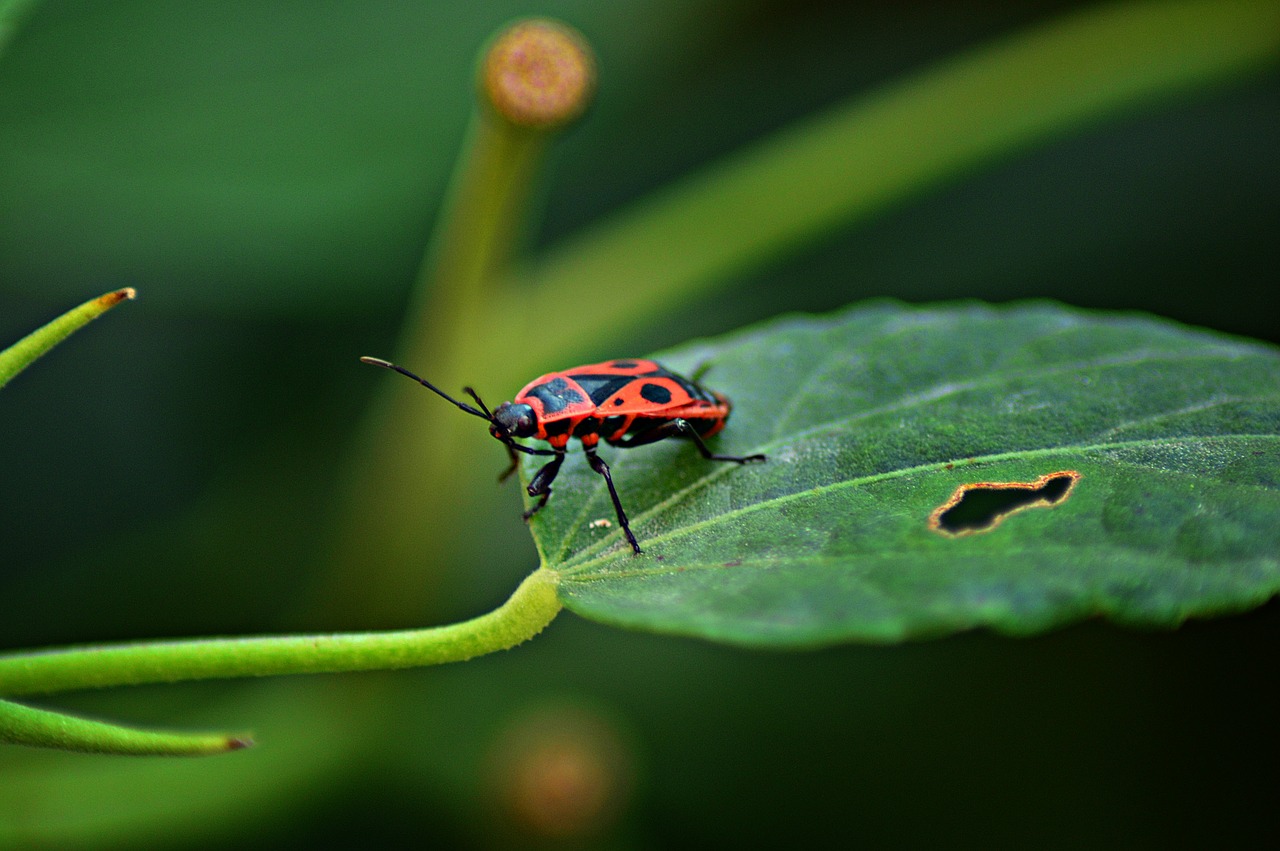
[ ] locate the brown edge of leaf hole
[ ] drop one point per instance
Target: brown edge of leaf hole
(935, 517)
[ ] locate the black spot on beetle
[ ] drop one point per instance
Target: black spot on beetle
(556, 395)
(655, 393)
(556, 427)
(623, 364)
(601, 387)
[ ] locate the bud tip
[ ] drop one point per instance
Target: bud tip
(539, 73)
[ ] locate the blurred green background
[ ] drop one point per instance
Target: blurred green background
(267, 175)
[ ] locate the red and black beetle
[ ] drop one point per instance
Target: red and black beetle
(625, 403)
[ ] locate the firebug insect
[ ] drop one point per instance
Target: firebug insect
(625, 403)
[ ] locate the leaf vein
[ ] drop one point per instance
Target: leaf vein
(590, 558)
(905, 403)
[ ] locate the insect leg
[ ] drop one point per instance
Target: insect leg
(597, 464)
(513, 448)
(541, 485)
(690, 432)
(528, 450)
(515, 462)
(683, 428)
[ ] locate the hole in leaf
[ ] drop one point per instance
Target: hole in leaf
(981, 506)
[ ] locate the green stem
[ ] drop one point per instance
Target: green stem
(22, 353)
(405, 464)
(857, 159)
(25, 725)
(396, 482)
(533, 605)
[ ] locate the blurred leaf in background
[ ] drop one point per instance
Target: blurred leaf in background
(267, 175)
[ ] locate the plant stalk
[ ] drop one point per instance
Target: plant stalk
(24, 352)
(529, 609)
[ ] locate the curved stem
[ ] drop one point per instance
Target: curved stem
(533, 605)
(856, 159)
(393, 483)
(26, 725)
(22, 353)
(536, 78)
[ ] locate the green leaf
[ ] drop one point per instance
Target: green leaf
(873, 418)
(313, 164)
(845, 165)
(11, 14)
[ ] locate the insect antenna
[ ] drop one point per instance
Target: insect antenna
(484, 414)
(474, 395)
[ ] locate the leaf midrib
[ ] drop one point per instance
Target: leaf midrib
(573, 568)
(932, 394)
